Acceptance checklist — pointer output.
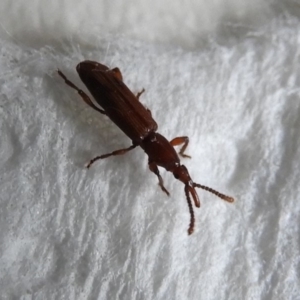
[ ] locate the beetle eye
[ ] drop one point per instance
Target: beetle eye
(176, 175)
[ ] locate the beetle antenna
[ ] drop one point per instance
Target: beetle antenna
(218, 194)
(192, 222)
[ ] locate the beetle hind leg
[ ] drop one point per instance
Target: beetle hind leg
(153, 168)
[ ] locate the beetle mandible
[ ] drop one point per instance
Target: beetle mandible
(124, 108)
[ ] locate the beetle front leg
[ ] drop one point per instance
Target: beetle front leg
(117, 152)
(181, 140)
(153, 168)
(82, 94)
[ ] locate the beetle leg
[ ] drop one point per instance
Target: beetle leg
(181, 140)
(82, 94)
(153, 168)
(139, 94)
(117, 152)
(138, 99)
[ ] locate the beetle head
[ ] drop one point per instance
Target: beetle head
(181, 173)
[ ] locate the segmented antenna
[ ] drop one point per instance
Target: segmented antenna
(192, 222)
(222, 196)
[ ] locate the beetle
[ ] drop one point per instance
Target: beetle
(124, 108)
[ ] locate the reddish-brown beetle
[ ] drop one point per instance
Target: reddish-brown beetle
(124, 109)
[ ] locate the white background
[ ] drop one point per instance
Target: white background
(225, 73)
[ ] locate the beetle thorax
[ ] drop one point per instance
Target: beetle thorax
(160, 151)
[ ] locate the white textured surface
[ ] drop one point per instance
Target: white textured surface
(183, 22)
(110, 233)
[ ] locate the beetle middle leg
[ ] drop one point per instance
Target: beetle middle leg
(138, 99)
(153, 168)
(82, 94)
(181, 140)
(139, 94)
(117, 152)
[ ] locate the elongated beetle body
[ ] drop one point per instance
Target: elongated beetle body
(124, 109)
